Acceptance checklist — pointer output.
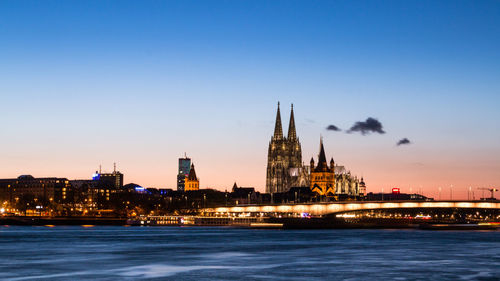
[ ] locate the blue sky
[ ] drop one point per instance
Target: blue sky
(140, 83)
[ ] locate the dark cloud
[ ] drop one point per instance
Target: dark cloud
(371, 125)
(332, 128)
(403, 141)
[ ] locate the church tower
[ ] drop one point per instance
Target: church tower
(284, 158)
(322, 176)
(295, 151)
(192, 183)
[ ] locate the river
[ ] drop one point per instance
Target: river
(218, 253)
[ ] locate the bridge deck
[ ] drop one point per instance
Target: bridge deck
(338, 207)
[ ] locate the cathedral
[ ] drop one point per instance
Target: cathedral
(284, 159)
(285, 168)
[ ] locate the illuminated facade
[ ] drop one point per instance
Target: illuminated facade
(347, 184)
(284, 159)
(109, 180)
(322, 176)
(56, 190)
(362, 187)
(191, 182)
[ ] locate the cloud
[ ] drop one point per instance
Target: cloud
(371, 125)
(332, 128)
(403, 141)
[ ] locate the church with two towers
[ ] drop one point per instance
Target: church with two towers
(284, 161)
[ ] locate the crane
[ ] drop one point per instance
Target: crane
(492, 190)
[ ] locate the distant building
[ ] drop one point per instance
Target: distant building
(243, 195)
(114, 179)
(96, 192)
(191, 182)
(334, 180)
(184, 168)
(322, 176)
(87, 193)
(345, 183)
(362, 187)
(56, 190)
(284, 161)
(396, 196)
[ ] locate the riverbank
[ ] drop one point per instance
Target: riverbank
(276, 223)
(30, 220)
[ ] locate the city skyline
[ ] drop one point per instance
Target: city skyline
(141, 85)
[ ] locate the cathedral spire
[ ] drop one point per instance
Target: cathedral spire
(278, 130)
(292, 134)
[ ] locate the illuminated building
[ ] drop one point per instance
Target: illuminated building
(96, 193)
(345, 183)
(184, 168)
(334, 180)
(56, 190)
(322, 176)
(284, 160)
(191, 182)
(362, 187)
(87, 193)
(114, 179)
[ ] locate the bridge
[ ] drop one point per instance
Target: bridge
(321, 209)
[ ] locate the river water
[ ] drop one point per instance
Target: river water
(217, 253)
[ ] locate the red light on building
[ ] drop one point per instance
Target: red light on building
(396, 190)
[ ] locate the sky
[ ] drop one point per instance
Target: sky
(140, 83)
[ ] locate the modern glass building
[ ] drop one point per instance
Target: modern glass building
(184, 168)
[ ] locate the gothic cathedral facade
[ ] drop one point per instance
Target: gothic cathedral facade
(284, 159)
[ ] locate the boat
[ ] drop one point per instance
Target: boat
(452, 226)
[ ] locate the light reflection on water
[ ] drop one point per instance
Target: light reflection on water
(131, 253)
